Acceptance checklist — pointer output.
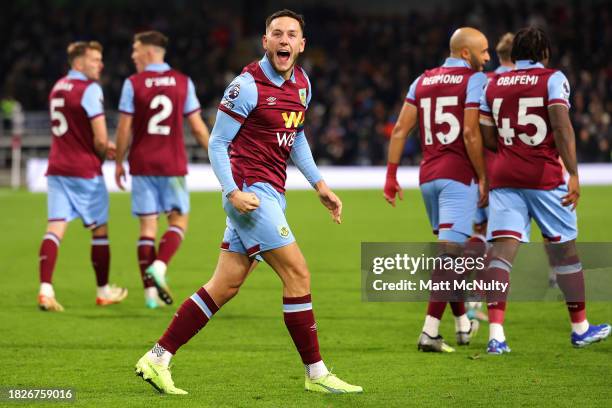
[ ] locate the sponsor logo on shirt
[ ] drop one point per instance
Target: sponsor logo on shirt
(293, 119)
(271, 100)
(286, 139)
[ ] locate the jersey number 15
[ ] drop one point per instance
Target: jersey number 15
(440, 117)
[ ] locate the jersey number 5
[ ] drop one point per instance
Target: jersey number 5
(62, 127)
(154, 127)
(454, 128)
(506, 131)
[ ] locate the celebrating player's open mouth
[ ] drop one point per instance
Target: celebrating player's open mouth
(283, 57)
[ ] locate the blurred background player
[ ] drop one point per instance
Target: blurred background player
(529, 109)
(260, 120)
(74, 175)
(503, 50)
(444, 101)
(152, 106)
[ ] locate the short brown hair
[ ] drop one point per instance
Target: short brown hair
(504, 46)
(152, 38)
(79, 48)
(286, 13)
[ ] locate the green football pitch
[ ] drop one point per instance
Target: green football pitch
(245, 356)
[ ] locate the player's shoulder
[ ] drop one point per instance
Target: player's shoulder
(252, 68)
(93, 88)
(241, 94)
(176, 73)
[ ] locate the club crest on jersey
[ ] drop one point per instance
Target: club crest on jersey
(283, 231)
(234, 91)
(303, 98)
(293, 119)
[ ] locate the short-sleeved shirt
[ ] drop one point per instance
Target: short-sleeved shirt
(158, 98)
(271, 111)
(441, 96)
(73, 102)
(517, 103)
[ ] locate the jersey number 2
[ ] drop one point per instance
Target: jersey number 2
(154, 127)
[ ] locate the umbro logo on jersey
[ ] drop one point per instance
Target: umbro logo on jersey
(271, 100)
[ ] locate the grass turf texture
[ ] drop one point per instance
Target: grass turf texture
(245, 357)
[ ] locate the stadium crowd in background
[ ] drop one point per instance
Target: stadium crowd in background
(362, 64)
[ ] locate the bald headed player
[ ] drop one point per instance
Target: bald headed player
(153, 103)
(76, 187)
(444, 102)
(526, 113)
(260, 123)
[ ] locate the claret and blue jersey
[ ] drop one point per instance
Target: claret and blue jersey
(527, 179)
(441, 96)
(260, 122)
(76, 187)
(158, 99)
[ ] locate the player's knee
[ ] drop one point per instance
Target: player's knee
(57, 228)
(100, 231)
(177, 219)
(148, 226)
(297, 276)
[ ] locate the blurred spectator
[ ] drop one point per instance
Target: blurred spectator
(360, 65)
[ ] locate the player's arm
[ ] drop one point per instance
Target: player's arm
(301, 156)
(124, 130)
(403, 127)
(239, 99)
(100, 133)
(488, 130)
(199, 130)
(472, 138)
(93, 104)
(123, 137)
(563, 132)
(224, 131)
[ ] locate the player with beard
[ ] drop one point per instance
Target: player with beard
(259, 126)
(444, 102)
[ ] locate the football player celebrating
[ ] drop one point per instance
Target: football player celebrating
(260, 124)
